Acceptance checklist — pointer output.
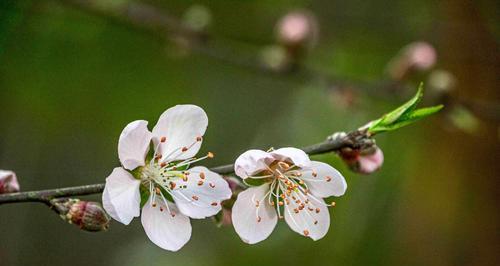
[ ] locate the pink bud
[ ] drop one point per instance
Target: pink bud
(364, 162)
(8, 182)
(421, 55)
(87, 215)
(296, 28)
(372, 162)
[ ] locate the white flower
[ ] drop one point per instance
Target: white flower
(291, 185)
(175, 193)
(8, 182)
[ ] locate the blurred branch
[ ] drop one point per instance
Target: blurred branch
(160, 24)
(356, 139)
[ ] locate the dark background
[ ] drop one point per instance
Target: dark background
(70, 81)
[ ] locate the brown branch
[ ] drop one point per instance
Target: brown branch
(354, 139)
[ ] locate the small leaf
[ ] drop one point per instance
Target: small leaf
(405, 108)
(403, 115)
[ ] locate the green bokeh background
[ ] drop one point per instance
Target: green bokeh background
(70, 81)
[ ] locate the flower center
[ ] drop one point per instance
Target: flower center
(289, 192)
(168, 177)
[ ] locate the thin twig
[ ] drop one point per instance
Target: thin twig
(354, 139)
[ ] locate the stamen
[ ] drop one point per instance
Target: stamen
(163, 139)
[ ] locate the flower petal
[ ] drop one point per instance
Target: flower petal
(252, 162)
(323, 180)
(294, 155)
(201, 195)
(253, 222)
(121, 197)
(168, 230)
(311, 220)
(134, 144)
(181, 126)
(8, 182)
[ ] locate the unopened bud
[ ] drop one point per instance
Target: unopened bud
(297, 28)
(365, 162)
(8, 182)
(418, 56)
(87, 215)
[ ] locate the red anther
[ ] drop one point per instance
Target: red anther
(259, 219)
(163, 164)
(211, 185)
(163, 139)
(198, 138)
(328, 179)
(306, 232)
(184, 149)
(195, 197)
(202, 175)
(200, 183)
(214, 204)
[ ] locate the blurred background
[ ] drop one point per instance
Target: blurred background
(74, 73)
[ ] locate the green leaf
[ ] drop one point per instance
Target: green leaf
(404, 115)
(405, 108)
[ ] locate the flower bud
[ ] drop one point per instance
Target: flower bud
(88, 215)
(418, 56)
(364, 161)
(297, 28)
(8, 182)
